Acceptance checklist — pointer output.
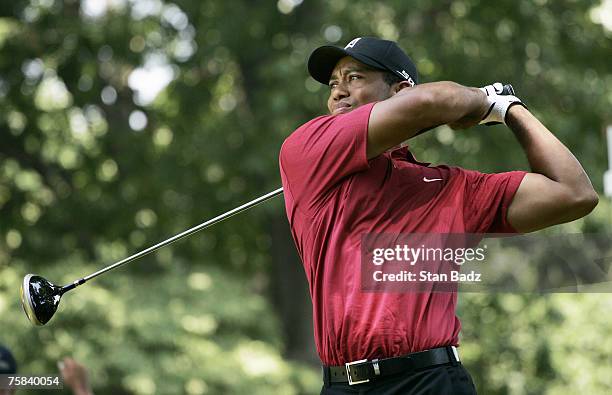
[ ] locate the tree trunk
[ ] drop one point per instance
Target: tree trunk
(289, 293)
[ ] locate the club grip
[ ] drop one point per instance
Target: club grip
(508, 90)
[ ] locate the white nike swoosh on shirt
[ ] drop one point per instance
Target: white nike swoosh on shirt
(431, 179)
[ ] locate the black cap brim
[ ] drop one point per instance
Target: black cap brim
(322, 61)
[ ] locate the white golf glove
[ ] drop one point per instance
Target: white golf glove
(500, 98)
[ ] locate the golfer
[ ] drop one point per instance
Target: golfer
(74, 375)
(347, 174)
(8, 365)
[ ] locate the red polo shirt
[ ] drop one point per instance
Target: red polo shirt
(334, 195)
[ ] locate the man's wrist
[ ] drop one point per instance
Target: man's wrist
(484, 103)
(515, 112)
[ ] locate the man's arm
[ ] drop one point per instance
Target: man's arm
(75, 376)
(558, 190)
(402, 116)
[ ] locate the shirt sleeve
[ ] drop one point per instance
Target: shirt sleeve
(322, 152)
(487, 198)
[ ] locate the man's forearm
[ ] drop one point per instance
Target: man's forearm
(413, 110)
(460, 104)
(449, 103)
(545, 153)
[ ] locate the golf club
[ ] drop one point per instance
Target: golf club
(40, 297)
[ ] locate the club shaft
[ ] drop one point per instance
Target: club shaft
(177, 237)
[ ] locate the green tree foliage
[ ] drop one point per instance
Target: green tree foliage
(93, 167)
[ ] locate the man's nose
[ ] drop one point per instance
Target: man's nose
(341, 91)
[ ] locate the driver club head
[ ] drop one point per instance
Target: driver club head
(39, 298)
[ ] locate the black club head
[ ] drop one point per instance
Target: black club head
(39, 298)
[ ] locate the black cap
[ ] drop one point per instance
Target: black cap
(7, 362)
(377, 53)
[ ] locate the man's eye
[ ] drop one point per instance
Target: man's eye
(353, 77)
(332, 85)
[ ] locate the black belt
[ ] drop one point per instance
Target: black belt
(363, 371)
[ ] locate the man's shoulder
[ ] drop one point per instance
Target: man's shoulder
(318, 127)
(303, 134)
(308, 126)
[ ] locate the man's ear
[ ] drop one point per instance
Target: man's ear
(400, 85)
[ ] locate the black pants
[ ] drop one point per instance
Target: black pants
(439, 380)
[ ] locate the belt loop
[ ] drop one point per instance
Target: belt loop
(451, 355)
(326, 376)
(376, 367)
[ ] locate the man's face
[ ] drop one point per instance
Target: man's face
(353, 84)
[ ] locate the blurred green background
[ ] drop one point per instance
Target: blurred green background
(123, 122)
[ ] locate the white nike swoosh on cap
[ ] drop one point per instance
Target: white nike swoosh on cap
(431, 179)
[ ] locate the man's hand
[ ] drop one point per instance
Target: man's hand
(499, 98)
(75, 376)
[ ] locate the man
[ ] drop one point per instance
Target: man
(74, 375)
(344, 177)
(8, 365)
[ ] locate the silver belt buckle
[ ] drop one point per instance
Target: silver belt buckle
(456, 353)
(348, 372)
